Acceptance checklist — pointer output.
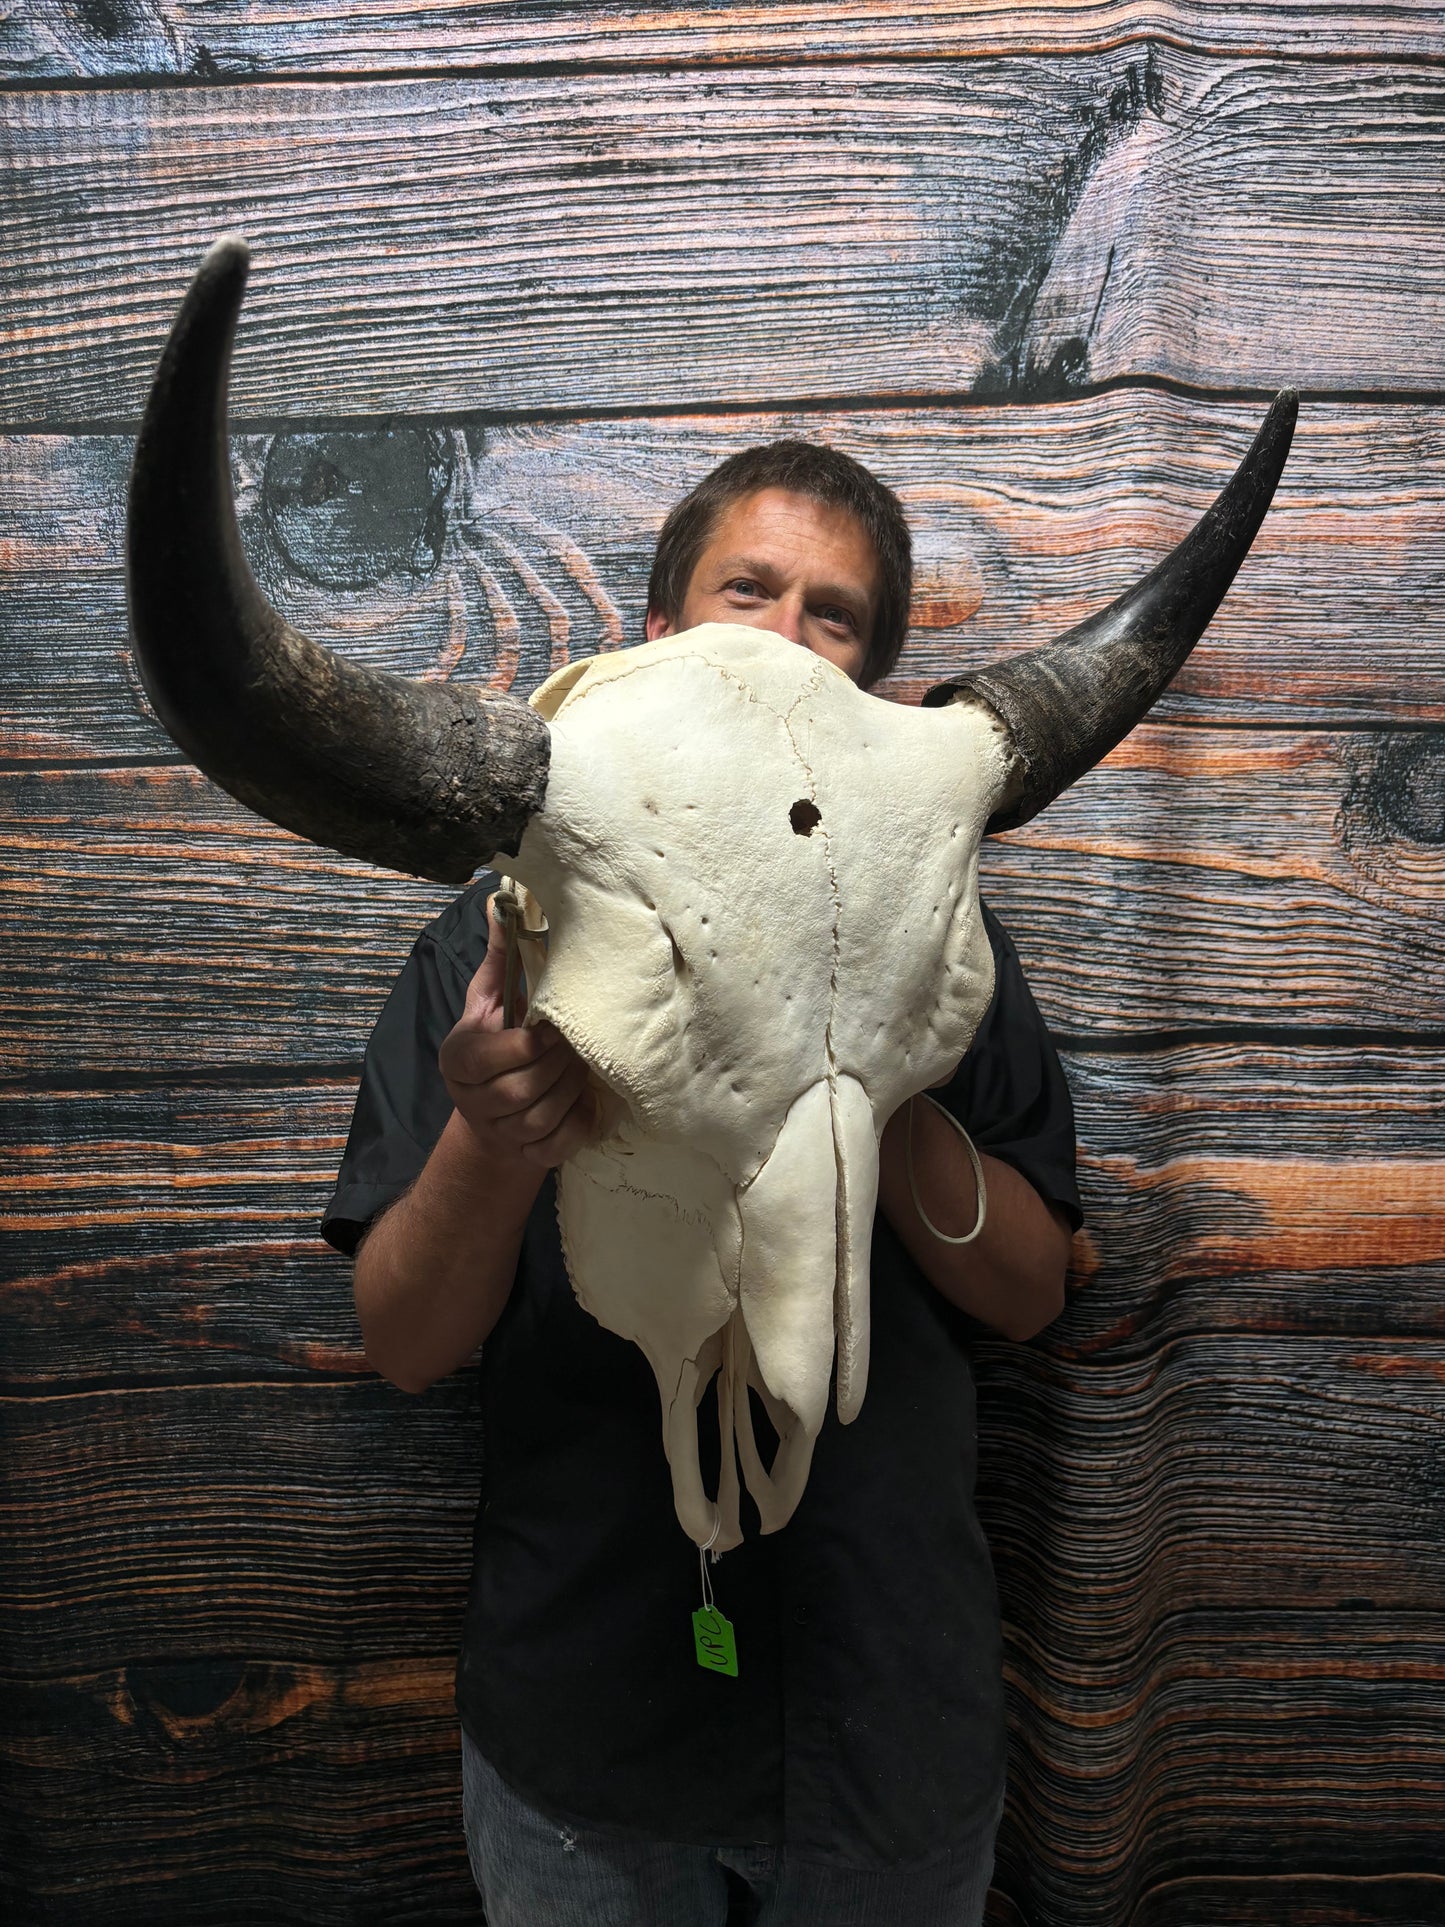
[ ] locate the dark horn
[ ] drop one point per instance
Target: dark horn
(430, 778)
(1068, 703)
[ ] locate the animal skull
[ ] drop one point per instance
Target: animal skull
(716, 956)
(761, 885)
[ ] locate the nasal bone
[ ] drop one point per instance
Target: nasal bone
(807, 1221)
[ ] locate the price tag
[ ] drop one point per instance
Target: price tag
(716, 1648)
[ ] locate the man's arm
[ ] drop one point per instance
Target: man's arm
(1012, 1276)
(436, 1268)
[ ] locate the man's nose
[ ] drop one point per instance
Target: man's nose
(785, 617)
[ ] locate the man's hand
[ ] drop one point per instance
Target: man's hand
(522, 1092)
(436, 1269)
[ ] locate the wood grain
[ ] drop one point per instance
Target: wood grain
(1235, 877)
(1191, 1701)
(1255, 877)
(315, 1522)
(234, 1788)
(167, 1235)
(503, 314)
(174, 37)
(664, 240)
(1171, 1533)
(490, 556)
(1247, 1772)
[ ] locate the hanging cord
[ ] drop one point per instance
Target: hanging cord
(508, 909)
(942, 1236)
(702, 1552)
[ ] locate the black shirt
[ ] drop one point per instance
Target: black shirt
(865, 1725)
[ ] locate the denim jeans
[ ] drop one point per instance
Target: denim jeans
(534, 1872)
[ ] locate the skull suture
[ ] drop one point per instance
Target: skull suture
(761, 884)
(760, 974)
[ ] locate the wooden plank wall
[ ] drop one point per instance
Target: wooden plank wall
(523, 273)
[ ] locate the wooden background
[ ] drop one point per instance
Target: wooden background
(524, 271)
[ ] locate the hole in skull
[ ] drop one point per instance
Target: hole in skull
(805, 816)
(679, 962)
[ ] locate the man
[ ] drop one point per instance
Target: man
(853, 1770)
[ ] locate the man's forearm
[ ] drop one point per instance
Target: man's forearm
(435, 1270)
(1011, 1276)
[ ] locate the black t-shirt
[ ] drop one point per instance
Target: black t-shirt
(865, 1725)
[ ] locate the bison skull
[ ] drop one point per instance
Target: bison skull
(719, 954)
(761, 883)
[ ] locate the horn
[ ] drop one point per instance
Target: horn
(1068, 703)
(433, 778)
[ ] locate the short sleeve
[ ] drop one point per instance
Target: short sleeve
(1009, 1092)
(402, 1105)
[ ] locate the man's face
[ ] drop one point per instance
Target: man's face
(784, 562)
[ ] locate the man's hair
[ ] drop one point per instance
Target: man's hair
(824, 475)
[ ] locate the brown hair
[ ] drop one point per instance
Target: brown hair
(823, 474)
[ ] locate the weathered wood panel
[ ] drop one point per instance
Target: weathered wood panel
(1226, 1471)
(493, 555)
(512, 244)
(162, 38)
(1224, 1479)
(165, 1233)
(269, 1789)
(316, 1522)
(231, 1581)
(1189, 1698)
(1237, 1773)
(1217, 1479)
(1279, 879)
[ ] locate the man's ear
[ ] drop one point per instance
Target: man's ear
(658, 625)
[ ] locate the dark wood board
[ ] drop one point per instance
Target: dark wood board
(317, 1522)
(1297, 1899)
(166, 1234)
(233, 1789)
(167, 38)
(745, 237)
(1231, 1548)
(523, 274)
(491, 555)
(1252, 1755)
(1301, 1557)
(1264, 878)
(330, 1523)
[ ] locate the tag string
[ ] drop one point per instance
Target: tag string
(702, 1552)
(942, 1236)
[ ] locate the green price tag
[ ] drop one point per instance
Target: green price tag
(716, 1648)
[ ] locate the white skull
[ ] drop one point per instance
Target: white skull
(756, 985)
(761, 885)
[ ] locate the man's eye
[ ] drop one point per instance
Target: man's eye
(744, 585)
(840, 618)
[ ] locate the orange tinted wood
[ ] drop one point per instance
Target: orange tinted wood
(1025, 518)
(169, 1234)
(1261, 878)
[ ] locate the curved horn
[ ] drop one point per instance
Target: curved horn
(430, 778)
(1067, 704)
